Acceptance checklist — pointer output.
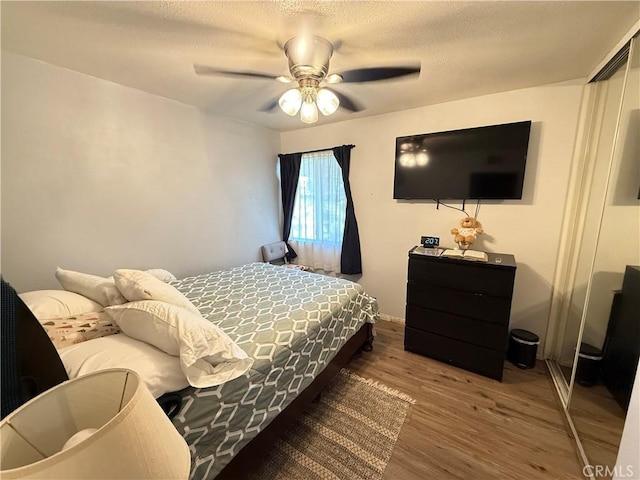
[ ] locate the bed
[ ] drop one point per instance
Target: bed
(298, 328)
(293, 324)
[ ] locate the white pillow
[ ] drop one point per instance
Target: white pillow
(161, 274)
(100, 289)
(208, 356)
(138, 285)
(57, 303)
(160, 372)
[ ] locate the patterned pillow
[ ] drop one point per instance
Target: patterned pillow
(66, 331)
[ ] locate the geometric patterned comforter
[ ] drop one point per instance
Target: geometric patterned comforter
(292, 323)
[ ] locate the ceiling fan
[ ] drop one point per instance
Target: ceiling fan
(309, 67)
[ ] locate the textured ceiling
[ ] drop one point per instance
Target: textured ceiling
(465, 48)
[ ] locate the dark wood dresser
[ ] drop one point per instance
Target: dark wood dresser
(458, 310)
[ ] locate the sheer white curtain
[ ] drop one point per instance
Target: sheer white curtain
(319, 212)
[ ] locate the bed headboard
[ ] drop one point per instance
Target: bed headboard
(30, 363)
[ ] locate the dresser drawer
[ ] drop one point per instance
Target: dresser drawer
(458, 302)
(463, 275)
(476, 332)
(461, 354)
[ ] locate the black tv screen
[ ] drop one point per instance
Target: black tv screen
(474, 163)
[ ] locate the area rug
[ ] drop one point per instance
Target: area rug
(349, 433)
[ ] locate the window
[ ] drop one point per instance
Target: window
(319, 211)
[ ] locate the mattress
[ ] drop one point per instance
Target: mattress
(291, 322)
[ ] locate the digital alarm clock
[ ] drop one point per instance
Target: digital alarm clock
(429, 242)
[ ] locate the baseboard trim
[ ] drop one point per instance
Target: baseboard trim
(390, 318)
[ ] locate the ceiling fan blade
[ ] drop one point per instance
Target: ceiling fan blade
(347, 103)
(378, 73)
(270, 106)
(204, 70)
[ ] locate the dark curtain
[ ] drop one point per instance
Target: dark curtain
(350, 259)
(289, 173)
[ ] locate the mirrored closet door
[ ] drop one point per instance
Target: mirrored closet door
(596, 313)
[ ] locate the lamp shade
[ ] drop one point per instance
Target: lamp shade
(327, 101)
(290, 101)
(119, 431)
(309, 111)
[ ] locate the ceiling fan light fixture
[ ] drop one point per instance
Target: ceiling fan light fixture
(309, 111)
(290, 101)
(308, 56)
(327, 101)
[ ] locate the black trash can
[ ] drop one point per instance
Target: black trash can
(523, 346)
(589, 361)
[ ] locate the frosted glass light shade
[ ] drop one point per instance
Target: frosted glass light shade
(133, 437)
(309, 112)
(290, 101)
(327, 101)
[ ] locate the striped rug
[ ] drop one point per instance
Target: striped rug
(348, 434)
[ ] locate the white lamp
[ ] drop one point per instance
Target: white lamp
(290, 101)
(309, 111)
(327, 101)
(308, 99)
(118, 429)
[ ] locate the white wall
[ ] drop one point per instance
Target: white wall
(528, 228)
(97, 176)
(628, 461)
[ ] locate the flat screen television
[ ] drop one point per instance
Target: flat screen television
(474, 163)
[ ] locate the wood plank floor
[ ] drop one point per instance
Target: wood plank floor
(467, 426)
(598, 419)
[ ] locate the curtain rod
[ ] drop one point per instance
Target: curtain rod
(318, 150)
